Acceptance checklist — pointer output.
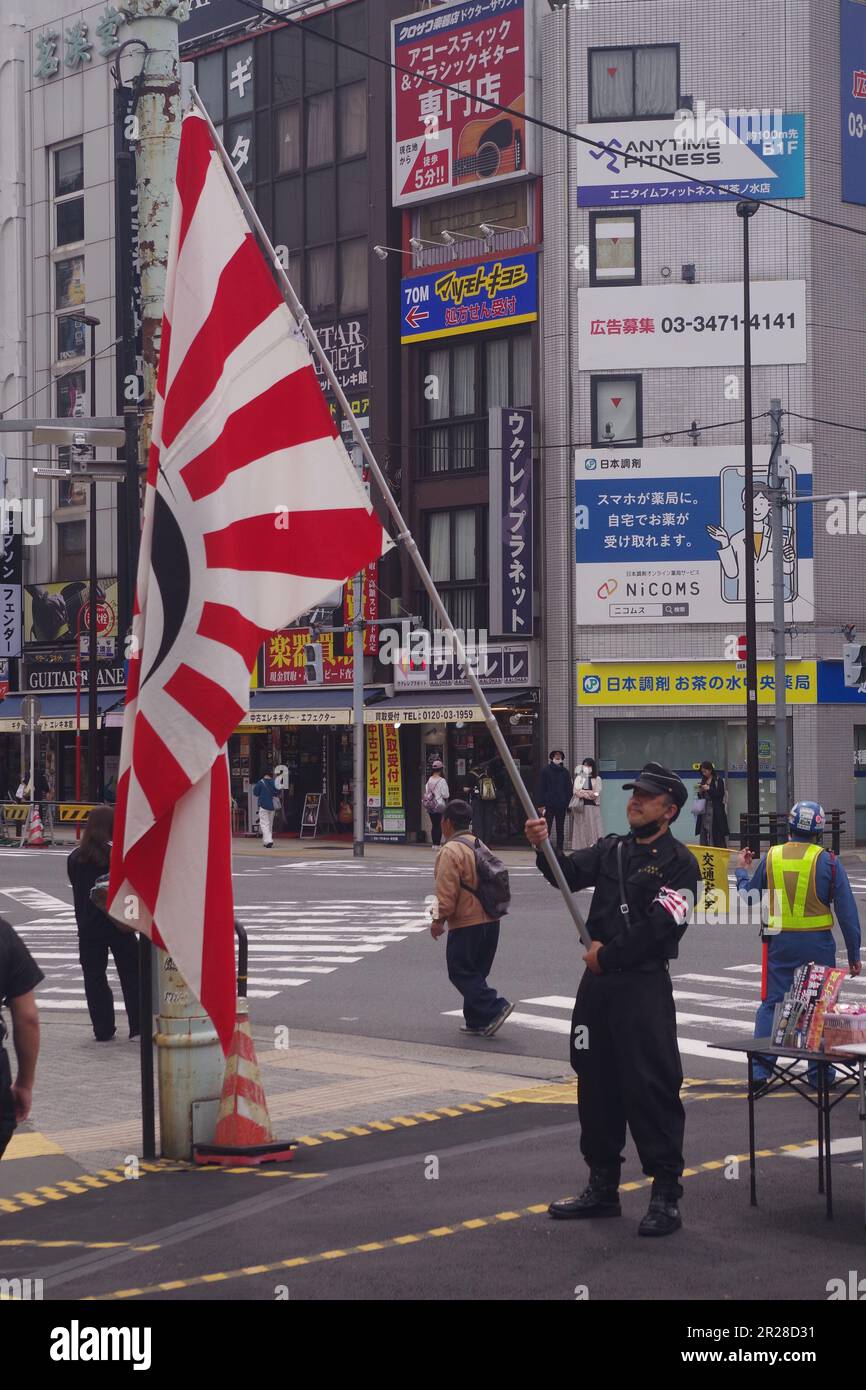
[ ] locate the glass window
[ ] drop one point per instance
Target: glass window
(71, 492)
(71, 556)
(616, 410)
(321, 288)
(71, 341)
(351, 29)
(70, 221)
(352, 120)
(69, 283)
(496, 373)
(321, 210)
(464, 545)
(288, 136)
(437, 378)
(70, 395)
(68, 170)
(353, 196)
(287, 63)
(439, 545)
(521, 371)
(318, 55)
(612, 83)
(860, 784)
(240, 79)
(655, 81)
(463, 380)
(288, 212)
(613, 249)
(319, 112)
(633, 82)
(354, 257)
(296, 259)
(239, 143)
(209, 81)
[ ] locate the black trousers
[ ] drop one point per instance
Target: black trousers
(7, 1105)
(559, 817)
(93, 954)
(483, 815)
(470, 952)
(629, 1072)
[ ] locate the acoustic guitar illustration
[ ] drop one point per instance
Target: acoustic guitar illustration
(489, 147)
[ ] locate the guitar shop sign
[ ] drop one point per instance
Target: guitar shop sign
(449, 138)
(489, 294)
(345, 344)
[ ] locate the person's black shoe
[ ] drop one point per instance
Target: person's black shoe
(599, 1198)
(662, 1218)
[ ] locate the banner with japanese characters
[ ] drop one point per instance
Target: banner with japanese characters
(512, 570)
(690, 325)
(10, 589)
(758, 153)
(489, 294)
(661, 535)
(449, 138)
(627, 683)
(284, 663)
(374, 768)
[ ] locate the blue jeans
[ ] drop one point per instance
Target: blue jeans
(787, 951)
(469, 954)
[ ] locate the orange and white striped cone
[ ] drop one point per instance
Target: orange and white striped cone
(243, 1132)
(35, 835)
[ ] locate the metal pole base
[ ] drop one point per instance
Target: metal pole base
(358, 849)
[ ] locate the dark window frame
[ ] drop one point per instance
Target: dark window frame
(479, 422)
(609, 216)
(632, 48)
(479, 584)
(596, 378)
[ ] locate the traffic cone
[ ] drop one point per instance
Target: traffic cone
(35, 835)
(243, 1133)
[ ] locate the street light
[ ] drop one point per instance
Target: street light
(745, 211)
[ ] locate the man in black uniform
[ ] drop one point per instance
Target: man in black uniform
(19, 976)
(623, 1037)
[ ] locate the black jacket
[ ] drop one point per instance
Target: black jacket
(555, 789)
(93, 924)
(656, 920)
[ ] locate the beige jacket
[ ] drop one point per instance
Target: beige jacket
(457, 906)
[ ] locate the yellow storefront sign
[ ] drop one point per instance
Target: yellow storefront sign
(713, 865)
(690, 683)
(374, 766)
(393, 770)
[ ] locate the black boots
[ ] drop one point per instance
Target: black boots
(663, 1216)
(600, 1198)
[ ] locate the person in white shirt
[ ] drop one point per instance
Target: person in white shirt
(435, 799)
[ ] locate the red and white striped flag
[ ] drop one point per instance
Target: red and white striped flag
(253, 514)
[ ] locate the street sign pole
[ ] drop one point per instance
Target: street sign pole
(777, 517)
(746, 210)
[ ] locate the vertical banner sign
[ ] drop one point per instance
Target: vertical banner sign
(713, 864)
(10, 590)
(130, 381)
(374, 770)
(370, 603)
(450, 139)
(393, 771)
(852, 83)
(512, 568)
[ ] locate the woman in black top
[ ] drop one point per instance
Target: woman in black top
(712, 826)
(97, 934)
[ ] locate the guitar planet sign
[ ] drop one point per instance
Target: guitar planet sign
(450, 138)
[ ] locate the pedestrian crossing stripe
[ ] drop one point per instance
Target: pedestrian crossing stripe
(410, 1238)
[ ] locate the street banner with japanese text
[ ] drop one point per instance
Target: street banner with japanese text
(447, 138)
(469, 298)
(713, 866)
(374, 767)
(393, 768)
(283, 653)
(690, 683)
(512, 570)
(660, 535)
(10, 590)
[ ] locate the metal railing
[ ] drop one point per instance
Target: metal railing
(771, 828)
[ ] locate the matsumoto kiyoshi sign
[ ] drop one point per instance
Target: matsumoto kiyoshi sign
(661, 536)
(489, 294)
(690, 325)
(759, 159)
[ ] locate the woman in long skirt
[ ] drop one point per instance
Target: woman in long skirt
(585, 806)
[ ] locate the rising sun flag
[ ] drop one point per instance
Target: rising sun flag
(253, 514)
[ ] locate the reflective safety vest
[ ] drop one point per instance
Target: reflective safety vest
(794, 901)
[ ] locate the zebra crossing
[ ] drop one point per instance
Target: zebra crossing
(709, 1008)
(291, 943)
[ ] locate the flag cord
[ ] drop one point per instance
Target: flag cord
(404, 534)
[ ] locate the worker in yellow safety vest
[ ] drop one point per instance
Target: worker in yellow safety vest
(804, 884)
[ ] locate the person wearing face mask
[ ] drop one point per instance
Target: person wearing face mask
(585, 807)
(555, 794)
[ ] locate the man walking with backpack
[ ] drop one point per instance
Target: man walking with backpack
(471, 895)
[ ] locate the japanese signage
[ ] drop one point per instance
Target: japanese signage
(832, 689)
(130, 367)
(284, 661)
(449, 138)
(690, 325)
(393, 770)
(51, 611)
(4, 678)
(374, 767)
(496, 665)
(512, 573)
(852, 81)
(759, 154)
(713, 866)
(345, 344)
(690, 683)
(427, 714)
(10, 590)
(661, 536)
(61, 675)
(490, 294)
(384, 821)
(211, 16)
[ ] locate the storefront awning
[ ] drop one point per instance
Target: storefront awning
(442, 706)
(276, 707)
(57, 711)
(316, 707)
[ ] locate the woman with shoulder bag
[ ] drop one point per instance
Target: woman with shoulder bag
(711, 821)
(97, 934)
(585, 806)
(434, 800)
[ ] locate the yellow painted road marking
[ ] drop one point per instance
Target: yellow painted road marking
(33, 1145)
(79, 1244)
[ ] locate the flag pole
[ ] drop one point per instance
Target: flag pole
(403, 532)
